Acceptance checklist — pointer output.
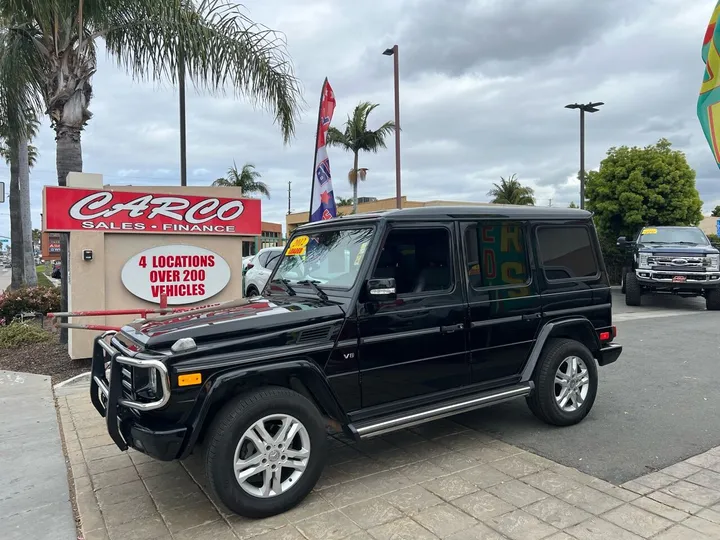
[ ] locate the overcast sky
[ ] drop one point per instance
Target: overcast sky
(483, 86)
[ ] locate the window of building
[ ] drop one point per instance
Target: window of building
(418, 259)
(566, 252)
(495, 254)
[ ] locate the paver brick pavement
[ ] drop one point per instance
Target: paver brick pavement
(442, 480)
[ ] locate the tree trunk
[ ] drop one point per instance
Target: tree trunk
(25, 213)
(16, 238)
(68, 158)
(355, 184)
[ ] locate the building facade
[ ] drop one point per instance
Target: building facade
(272, 236)
(371, 204)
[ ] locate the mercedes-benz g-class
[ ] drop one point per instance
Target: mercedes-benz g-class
(369, 324)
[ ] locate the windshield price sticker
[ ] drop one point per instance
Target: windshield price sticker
(649, 231)
(185, 274)
(298, 246)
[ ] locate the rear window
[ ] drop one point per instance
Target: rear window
(566, 253)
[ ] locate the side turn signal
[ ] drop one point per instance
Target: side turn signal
(190, 379)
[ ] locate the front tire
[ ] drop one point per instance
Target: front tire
(265, 451)
(712, 300)
(633, 292)
(566, 382)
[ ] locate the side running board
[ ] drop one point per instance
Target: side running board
(367, 429)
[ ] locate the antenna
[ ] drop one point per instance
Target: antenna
(289, 188)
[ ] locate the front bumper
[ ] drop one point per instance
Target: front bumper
(122, 414)
(676, 279)
(609, 354)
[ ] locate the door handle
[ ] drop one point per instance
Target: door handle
(452, 328)
(531, 317)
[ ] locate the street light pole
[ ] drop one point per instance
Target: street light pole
(591, 108)
(396, 75)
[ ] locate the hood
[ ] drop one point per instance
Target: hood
(678, 248)
(233, 321)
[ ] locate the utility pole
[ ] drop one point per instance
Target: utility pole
(550, 203)
(289, 184)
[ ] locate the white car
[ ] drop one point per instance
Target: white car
(260, 269)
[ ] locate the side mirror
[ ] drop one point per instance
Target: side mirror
(623, 241)
(381, 289)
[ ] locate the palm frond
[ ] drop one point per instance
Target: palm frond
(218, 45)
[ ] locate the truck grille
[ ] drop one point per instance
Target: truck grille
(677, 260)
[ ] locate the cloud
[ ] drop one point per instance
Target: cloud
(483, 89)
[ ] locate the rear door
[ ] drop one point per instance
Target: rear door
(504, 302)
(570, 277)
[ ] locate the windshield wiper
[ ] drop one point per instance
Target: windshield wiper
(285, 285)
(688, 243)
(316, 288)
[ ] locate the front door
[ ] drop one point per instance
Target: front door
(505, 306)
(414, 345)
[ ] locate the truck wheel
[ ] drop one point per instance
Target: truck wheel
(712, 300)
(633, 292)
(265, 451)
(566, 383)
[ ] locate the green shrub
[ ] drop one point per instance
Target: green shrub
(17, 333)
(37, 299)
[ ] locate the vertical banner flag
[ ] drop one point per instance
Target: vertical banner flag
(322, 199)
(708, 107)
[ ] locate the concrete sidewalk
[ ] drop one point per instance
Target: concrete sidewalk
(34, 494)
(442, 480)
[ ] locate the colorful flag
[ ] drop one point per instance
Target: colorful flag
(322, 200)
(708, 106)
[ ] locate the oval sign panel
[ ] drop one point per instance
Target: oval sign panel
(186, 274)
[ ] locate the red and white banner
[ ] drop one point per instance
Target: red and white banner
(80, 209)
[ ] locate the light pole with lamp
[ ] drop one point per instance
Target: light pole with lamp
(589, 108)
(394, 53)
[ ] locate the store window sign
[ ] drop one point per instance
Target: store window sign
(79, 209)
(186, 274)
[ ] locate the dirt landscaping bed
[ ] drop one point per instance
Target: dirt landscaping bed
(45, 358)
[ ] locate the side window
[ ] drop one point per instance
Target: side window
(262, 258)
(418, 259)
(566, 252)
(273, 259)
(495, 254)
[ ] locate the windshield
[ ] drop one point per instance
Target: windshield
(673, 235)
(328, 258)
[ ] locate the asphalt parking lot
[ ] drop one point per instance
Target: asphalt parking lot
(656, 405)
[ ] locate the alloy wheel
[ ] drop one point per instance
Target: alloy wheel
(271, 456)
(572, 383)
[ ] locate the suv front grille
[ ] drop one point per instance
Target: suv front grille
(677, 260)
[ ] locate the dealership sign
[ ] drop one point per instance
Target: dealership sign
(185, 274)
(80, 209)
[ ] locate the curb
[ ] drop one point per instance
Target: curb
(71, 379)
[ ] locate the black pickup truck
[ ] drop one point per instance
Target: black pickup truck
(369, 324)
(671, 260)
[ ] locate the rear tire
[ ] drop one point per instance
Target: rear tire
(556, 361)
(252, 291)
(633, 292)
(265, 451)
(712, 300)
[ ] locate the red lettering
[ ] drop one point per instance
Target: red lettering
(142, 262)
(211, 260)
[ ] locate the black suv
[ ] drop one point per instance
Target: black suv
(369, 324)
(671, 260)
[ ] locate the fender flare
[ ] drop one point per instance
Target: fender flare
(552, 328)
(222, 387)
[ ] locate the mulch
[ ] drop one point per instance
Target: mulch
(46, 358)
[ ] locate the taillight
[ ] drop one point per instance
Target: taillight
(608, 335)
(249, 266)
(604, 336)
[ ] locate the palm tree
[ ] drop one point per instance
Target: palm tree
(356, 138)
(511, 191)
(246, 179)
(343, 201)
(215, 43)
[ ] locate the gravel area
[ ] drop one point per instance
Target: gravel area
(47, 358)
